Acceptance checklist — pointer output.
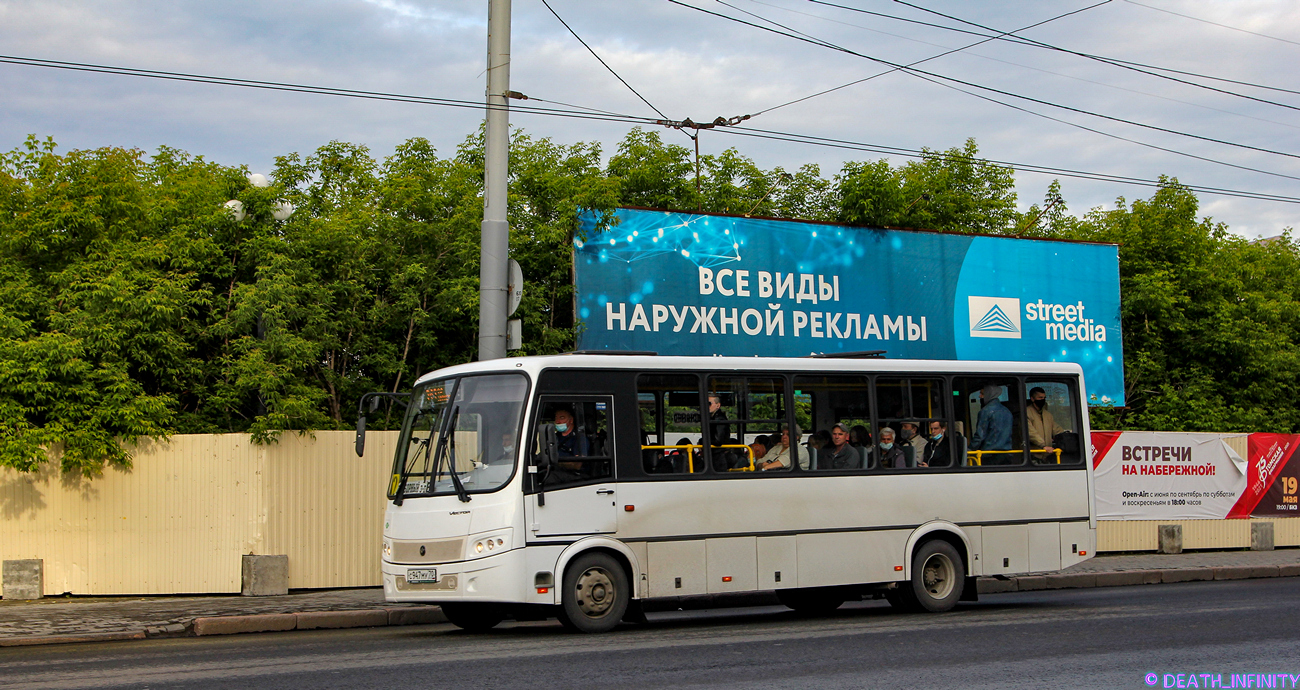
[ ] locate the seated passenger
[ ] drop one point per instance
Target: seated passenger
(890, 455)
(818, 440)
(912, 442)
(859, 437)
(507, 454)
(839, 455)
(778, 456)
(938, 450)
(683, 455)
(759, 448)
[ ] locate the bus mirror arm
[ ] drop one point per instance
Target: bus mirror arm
(374, 399)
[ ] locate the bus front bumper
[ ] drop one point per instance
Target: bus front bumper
(502, 577)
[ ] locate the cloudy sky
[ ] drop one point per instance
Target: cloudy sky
(691, 64)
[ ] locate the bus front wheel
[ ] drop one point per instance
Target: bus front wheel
(473, 617)
(938, 577)
(595, 594)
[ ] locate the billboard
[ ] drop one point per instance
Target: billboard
(700, 284)
(1159, 475)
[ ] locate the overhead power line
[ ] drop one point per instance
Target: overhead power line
(943, 79)
(607, 116)
(1020, 167)
(1206, 21)
(1019, 40)
(1117, 63)
(602, 61)
(305, 88)
(932, 57)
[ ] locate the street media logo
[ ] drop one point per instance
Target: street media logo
(994, 317)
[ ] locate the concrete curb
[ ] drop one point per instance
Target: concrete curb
(69, 639)
(317, 620)
(1120, 578)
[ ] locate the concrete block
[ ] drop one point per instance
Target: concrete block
(265, 576)
(423, 615)
(1232, 572)
(230, 625)
(1261, 536)
(1186, 574)
(1029, 583)
(1153, 577)
(992, 585)
(24, 579)
(312, 620)
(1289, 570)
(1170, 539)
(1071, 580)
(1124, 578)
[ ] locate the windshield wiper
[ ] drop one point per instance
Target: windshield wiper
(461, 493)
(406, 470)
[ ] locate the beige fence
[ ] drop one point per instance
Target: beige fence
(180, 519)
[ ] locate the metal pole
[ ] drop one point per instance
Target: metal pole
(492, 298)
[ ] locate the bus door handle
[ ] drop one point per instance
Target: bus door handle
(605, 492)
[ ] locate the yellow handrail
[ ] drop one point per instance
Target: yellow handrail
(976, 457)
(693, 447)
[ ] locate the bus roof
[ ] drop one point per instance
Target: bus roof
(642, 362)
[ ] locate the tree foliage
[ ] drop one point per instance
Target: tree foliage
(133, 305)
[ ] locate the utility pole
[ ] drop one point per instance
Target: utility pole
(493, 254)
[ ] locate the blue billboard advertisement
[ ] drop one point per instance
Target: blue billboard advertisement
(697, 284)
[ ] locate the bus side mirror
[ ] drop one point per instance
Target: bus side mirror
(361, 435)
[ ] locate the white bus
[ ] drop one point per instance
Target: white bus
(578, 486)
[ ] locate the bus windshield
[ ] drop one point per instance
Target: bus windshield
(460, 436)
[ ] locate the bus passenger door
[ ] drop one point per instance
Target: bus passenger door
(578, 493)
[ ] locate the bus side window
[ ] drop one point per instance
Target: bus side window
(746, 416)
(991, 410)
(670, 423)
(825, 402)
(583, 440)
(1052, 420)
(906, 408)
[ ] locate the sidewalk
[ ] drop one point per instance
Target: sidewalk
(62, 620)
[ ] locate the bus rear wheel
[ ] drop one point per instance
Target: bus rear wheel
(473, 617)
(938, 577)
(812, 602)
(595, 594)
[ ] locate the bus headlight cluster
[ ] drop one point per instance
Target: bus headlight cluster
(388, 549)
(489, 544)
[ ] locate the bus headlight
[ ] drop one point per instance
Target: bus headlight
(388, 550)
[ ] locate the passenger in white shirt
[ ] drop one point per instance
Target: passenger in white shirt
(778, 457)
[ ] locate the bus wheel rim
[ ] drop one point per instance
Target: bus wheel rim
(595, 593)
(937, 576)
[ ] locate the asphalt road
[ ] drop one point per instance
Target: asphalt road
(1102, 638)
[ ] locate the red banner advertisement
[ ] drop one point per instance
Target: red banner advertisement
(1273, 478)
(1147, 475)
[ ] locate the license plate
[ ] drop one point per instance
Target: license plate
(422, 575)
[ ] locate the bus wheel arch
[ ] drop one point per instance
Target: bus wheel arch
(946, 531)
(616, 549)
